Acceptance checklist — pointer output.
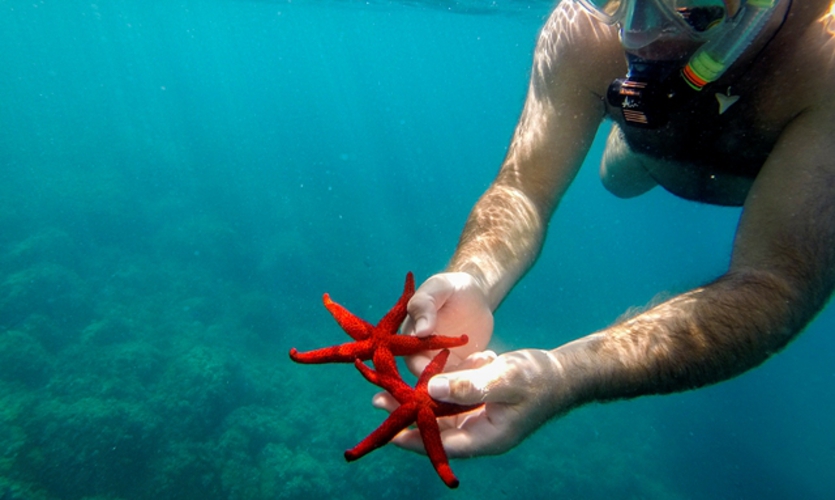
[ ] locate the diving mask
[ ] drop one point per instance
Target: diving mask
(642, 22)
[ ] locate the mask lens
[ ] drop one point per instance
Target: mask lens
(700, 15)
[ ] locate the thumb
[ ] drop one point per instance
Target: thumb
(467, 387)
(424, 304)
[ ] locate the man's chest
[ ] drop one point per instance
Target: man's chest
(718, 129)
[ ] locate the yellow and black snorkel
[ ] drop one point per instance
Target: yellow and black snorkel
(652, 88)
(712, 59)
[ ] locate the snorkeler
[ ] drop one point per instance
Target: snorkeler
(722, 102)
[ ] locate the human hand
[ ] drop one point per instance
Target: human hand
(449, 304)
(521, 389)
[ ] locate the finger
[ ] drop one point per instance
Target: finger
(423, 316)
(482, 433)
(384, 401)
(410, 440)
(485, 433)
(477, 360)
(424, 305)
(408, 327)
(480, 385)
(417, 362)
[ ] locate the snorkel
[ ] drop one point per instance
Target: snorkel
(717, 55)
(651, 88)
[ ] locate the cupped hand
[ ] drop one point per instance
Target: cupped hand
(522, 390)
(449, 304)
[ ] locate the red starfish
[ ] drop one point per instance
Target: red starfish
(368, 338)
(415, 406)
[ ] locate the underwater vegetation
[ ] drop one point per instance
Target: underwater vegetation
(117, 388)
(134, 367)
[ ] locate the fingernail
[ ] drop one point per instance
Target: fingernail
(439, 387)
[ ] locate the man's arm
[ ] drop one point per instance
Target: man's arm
(574, 57)
(781, 274)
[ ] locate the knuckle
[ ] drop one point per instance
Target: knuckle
(461, 386)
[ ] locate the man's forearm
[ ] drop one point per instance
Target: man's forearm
(698, 338)
(501, 240)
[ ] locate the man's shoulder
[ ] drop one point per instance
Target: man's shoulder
(571, 25)
(573, 38)
(819, 40)
(809, 59)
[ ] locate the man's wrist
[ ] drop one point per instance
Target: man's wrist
(473, 270)
(580, 373)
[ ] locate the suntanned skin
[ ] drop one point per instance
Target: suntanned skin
(782, 268)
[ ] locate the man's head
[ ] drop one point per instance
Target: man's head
(674, 48)
(664, 29)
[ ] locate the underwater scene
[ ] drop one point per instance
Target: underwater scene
(181, 181)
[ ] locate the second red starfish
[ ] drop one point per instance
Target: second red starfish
(416, 406)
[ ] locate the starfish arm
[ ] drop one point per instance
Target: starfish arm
(398, 420)
(356, 327)
(431, 436)
(344, 353)
(387, 376)
(393, 319)
(433, 368)
(404, 345)
(384, 362)
(369, 374)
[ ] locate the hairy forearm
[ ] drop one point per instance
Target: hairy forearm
(698, 338)
(563, 110)
(501, 240)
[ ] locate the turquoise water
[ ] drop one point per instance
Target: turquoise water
(180, 183)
